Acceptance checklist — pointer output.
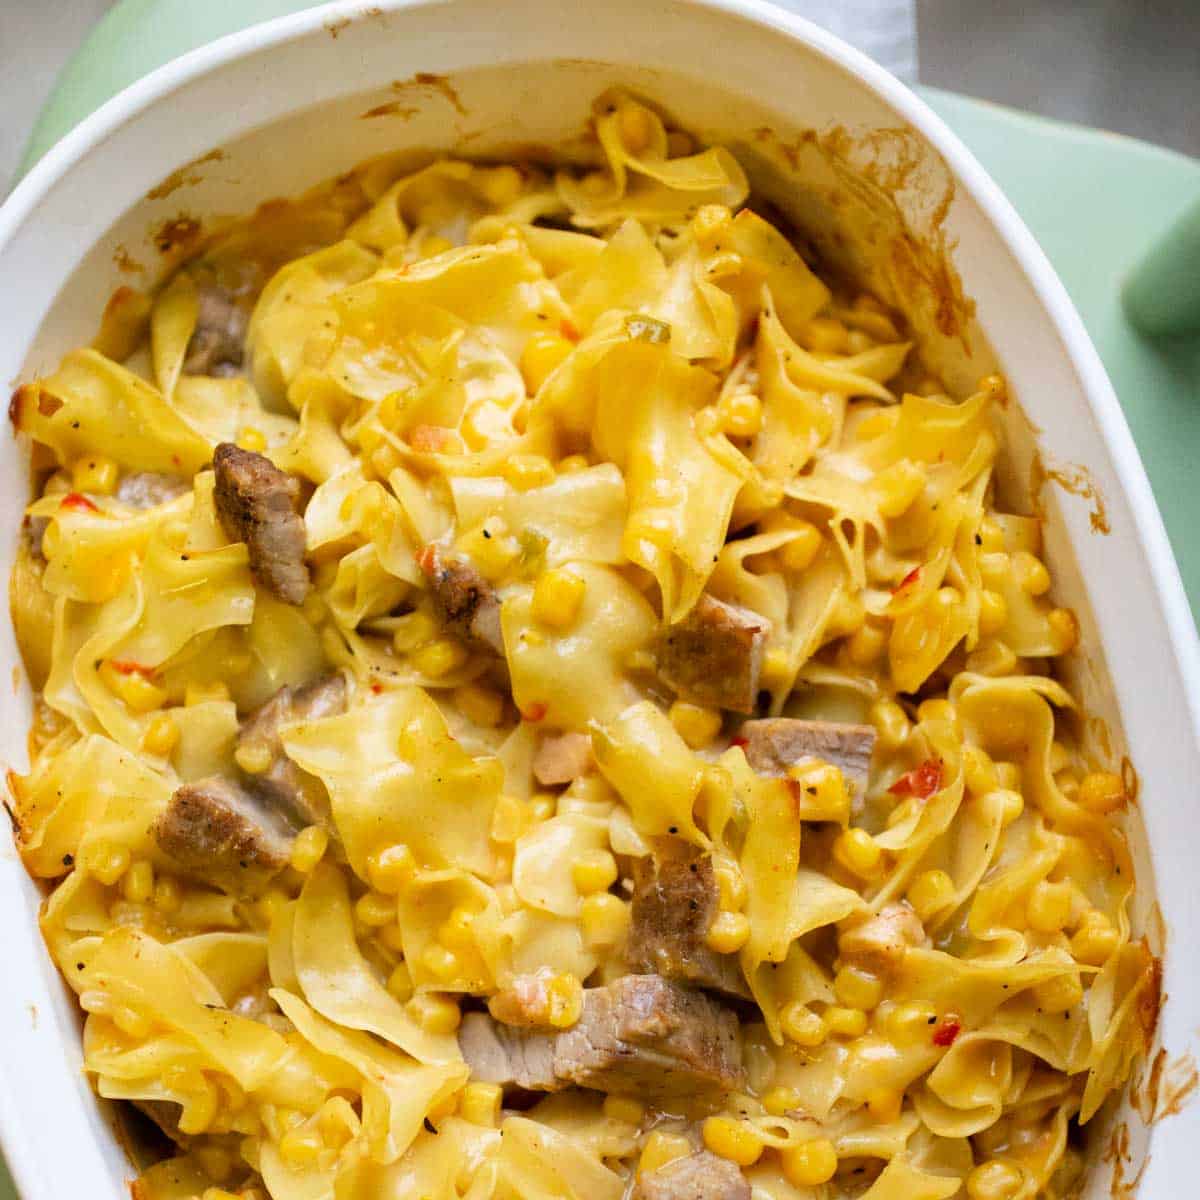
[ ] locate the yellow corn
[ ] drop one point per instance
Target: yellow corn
(897, 487)
(776, 667)
(662, 1147)
(823, 335)
(374, 909)
(161, 736)
(781, 1100)
(166, 895)
(205, 693)
(735, 1140)
(542, 807)
(801, 1025)
(884, 1104)
(824, 789)
(200, 1109)
(624, 1108)
(138, 885)
(309, 848)
(604, 919)
(1048, 908)
(501, 185)
(1095, 940)
(844, 1022)
(389, 869)
(439, 658)
(995, 1180)
(400, 982)
(413, 630)
(798, 554)
(809, 1164)
(543, 354)
(978, 771)
(252, 439)
(694, 723)
(96, 474)
(480, 1104)
(891, 724)
(858, 852)
(637, 128)
(710, 222)
(301, 1146)
(1030, 573)
(857, 988)
(564, 993)
(728, 933)
(1064, 628)
(510, 819)
(457, 931)
(132, 1022)
(440, 961)
(1059, 994)
(1013, 803)
(107, 862)
(930, 893)
(483, 705)
(557, 598)
(1101, 792)
(991, 536)
(865, 645)
(594, 871)
(525, 471)
(435, 1012)
(936, 710)
(133, 688)
(877, 423)
(740, 414)
(908, 1022)
(254, 756)
(993, 612)
(731, 886)
(572, 464)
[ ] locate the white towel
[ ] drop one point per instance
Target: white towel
(884, 29)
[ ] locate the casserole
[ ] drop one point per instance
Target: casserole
(882, 188)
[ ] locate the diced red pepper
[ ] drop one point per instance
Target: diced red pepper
(78, 502)
(376, 686)
(567, 328)
(128, 667)
(921, 781)
(738, 740)
(535, 712)
(946, 1030)
(427, 560)
(911, 577)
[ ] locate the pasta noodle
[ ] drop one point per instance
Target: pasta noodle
(538, 696)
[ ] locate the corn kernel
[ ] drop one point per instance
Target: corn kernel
(824, 790)
(930, 893)
(991, 536)
(604, 919)
(978, 772)
(936, 710)
(1048, 908)
(1030, 573)
(107, 862)
(138, 885)
(637, 128)
(133, 688)
(594, 871)
(884, 1104)
(776, 667)
(457, 931)
(1095, 940)
(728, 933)
(908, 1021)
(865, 645)
(780, 1101)
(132, 1022)
(694, 723)
(301, 1146)
(809, 1164)
(94, 473)
(1059, 994)
(734, 1140)
(166, 895)
(624, 1108)
(482, 705)
(993, 612)
(439, 658)
(161, 736)
(897, 487)
(400, 982)
(390, 869)
(480, 1104)
(440, 961)
(798, 553)
(731, 886)
(740, 414)
(413, 630)
(662, 1147)
(501, 185)
(844, 1022)
(205, 693)
(823, 335)
(309, 848)
(710, 222)
(891, 724)
(200, 1109)
(801, 1025)
(1064, 628)
(1101, 792)
(542, 807)
(252, 439)
(435, 1012)
(857, 988)
(572, 464)
(564, 994)
(254, 756)
(995, 1180)
(858, 852)
(557, 598)
(876, 423)
(525, 471)
(543, 354)
(510, 819)
(375, 909)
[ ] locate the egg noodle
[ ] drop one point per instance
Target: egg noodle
(590, 466)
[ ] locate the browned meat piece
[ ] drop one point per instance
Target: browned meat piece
(639, 1035)
(465, 601)
(218, 342)
(774, 745)
(675, 899)
(699, 1176)
(148, 489)
(223, 834)
(714, 655)
(295, 791)
(879, 943)
(33, 529)
(257, 505)
(562, 758)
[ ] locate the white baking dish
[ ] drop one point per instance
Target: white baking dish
(284, 102)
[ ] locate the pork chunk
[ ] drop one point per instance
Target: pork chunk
(149, 489)
(774, 745)
(879, 943)
(640, 1035)
(714, 655)
(217, 346)
(466, 603)
(165, 1114)
(699, 1176)
(562, 758)
(675, 900)
(282, 782)
(256, 503)
(221, 833)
